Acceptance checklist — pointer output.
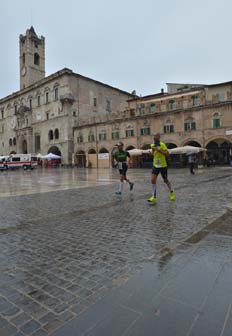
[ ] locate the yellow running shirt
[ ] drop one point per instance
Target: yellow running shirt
(159, 159)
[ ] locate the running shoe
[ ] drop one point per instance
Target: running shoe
(172, 196)
(118, 193)
(131, 186)
(152, 199)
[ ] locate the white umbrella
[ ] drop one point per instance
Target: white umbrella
(187, 150)
(51, 156)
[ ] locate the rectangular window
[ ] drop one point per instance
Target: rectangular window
(129, 133)
(188, 126)
(30, 104)
(216, 123)
(2, 114)
(80, 139)
(152, 108)
(172, 105)
(115, 135)
(56, 93)
(102, 136)
(16, 108)
(38, 98)
(145, 131)
(141, 109)
(37, 142)
(91, 138)
(47, 115)
(221, 97)
(196, 101)
(108, 105)
(168, 128)
(95, 102)
(47, 98)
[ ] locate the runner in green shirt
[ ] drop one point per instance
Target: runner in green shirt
(160, 152)
(122, 159)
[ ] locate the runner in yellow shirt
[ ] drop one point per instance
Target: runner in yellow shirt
(160, 152)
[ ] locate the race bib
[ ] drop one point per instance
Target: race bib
(158, 163)
(120, 165)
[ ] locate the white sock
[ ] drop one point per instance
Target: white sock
(154, 189)
(121, 186)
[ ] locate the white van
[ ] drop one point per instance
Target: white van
(2, 162)
(25, 161)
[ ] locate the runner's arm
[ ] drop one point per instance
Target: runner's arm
(163, 151)
(115, 161)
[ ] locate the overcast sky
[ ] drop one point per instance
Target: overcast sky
(129, 44)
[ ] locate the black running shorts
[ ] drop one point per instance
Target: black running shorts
(163, 171)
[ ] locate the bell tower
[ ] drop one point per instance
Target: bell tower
(31, 58)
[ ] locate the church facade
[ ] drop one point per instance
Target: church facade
(41, 116)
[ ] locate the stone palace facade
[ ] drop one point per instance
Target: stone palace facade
(41, 116)
(198, 115)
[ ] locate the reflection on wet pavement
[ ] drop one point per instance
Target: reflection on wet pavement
(77, 260)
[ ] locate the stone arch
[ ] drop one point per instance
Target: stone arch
(218, 139)
(14, 142)
(81, 159)
(54, 150)
(92, 151)
(146, 146)
(92, 158)
(219, 151)
(10, 142)
(130, 147)
(171, 145)
(192, 142)
(103, 150)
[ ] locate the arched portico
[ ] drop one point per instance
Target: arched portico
(54, 150)
(92, 158)
(80, 159)
(219, 151)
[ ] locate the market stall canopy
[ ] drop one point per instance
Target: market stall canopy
(187, 150)
(50, 156)
(178, 150)
(136, 152)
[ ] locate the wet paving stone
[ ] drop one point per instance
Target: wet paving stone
(20, 319)
(8, 330)
(30, 327)
(69, 256)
